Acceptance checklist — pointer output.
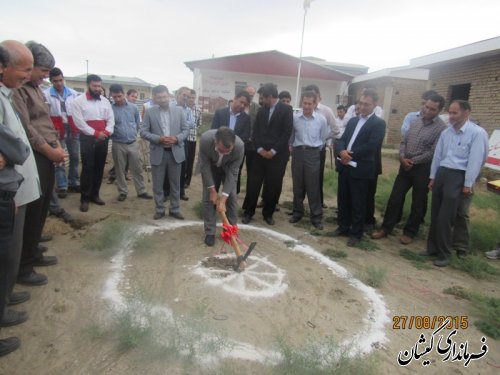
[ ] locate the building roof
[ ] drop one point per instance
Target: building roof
(481, 49)
(273, 63)
(110, 79)
(407, 72)
(352, 69)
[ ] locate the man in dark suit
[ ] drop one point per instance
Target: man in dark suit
(236, 119)
(166, 129)
(357, 150)
(271, 133)
(221, 154)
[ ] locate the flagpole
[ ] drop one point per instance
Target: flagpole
(306, 7)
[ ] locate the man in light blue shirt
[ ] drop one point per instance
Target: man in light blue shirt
(460, 153)
(310, 130)
(125, 148)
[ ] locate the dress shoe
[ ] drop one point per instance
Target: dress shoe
(62, 193)
(340, 233)
(209, 240)
(184, 197)
(66, 216)
(45, 261)
(13, 318)
(318, 226)
(18, 297)
(405, 240)
(8, 345)
(353, 241)
(122, 197)
(461, 254)
(378, 234)
(74, 189)
(176, 215)
(269, 220)
(159, 215)
(295, 219)
(145, 196)
(98, 201)
(441, 262)
(32, 279)
(111, 180)
(45, 238)
(42, 248)
(84, 206)
(246, 219)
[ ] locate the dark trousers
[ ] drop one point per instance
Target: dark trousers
(191, 152)
(322, 162)
(93, 155)
(351, 201)
(36, 214)
(305, 175)
(461, 228)
(268, 173)
(446, 195)
(370, 201)
(416, 179)
(184, 168)
(250, 156)
(7, 212)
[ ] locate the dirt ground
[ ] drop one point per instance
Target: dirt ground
(288, 289)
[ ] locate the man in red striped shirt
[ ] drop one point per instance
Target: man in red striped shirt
(94, 118)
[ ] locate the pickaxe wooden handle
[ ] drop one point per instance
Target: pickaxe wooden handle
(234, 243)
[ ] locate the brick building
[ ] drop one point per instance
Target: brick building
(470, 72)
(399, 92)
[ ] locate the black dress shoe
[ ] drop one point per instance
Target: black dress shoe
(269, 220)
(45, 238)
(295, 219)
(353, 241)
(209, 240)
(184, 197)
(8, 345)
(441, 262)
(318, 226)
(42, 248)
(45, 261)
(32, 279)
(159, 215)
(84, 206)
(13, 318)
(122, 197)
(176, 215)
(246, 219)
(98, 201)
(340, 233)
(62, 193)
(19, 297)
(145, 196)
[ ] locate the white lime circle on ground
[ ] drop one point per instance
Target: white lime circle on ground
(363, 341)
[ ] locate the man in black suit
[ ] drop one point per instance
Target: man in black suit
(358, 149)
(271, 133)
(235, 118)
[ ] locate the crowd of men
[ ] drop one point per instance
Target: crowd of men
(39, 130)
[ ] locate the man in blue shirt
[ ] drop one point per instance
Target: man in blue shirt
(310, 130)
(460, 153)
(125, 148)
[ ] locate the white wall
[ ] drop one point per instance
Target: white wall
(213, 83)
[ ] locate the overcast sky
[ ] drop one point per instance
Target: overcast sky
(151, 39)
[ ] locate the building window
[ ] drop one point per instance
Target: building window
(239, 86)
(458, 92)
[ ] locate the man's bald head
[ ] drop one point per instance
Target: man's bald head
(20, 64)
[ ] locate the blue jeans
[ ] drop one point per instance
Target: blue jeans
(72, 144)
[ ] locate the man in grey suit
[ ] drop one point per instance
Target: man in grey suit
(221, 154)
(166, 129)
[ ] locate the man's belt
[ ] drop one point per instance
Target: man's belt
(307, 148)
